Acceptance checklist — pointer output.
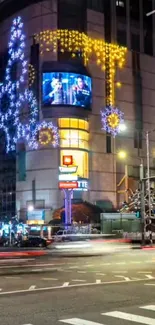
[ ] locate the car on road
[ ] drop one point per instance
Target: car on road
(33, 241)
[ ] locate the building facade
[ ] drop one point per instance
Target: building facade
(49, 26)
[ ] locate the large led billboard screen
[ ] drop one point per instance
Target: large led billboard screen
(66, 88)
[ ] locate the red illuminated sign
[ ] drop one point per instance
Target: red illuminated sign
(67, 160)
(68, 185)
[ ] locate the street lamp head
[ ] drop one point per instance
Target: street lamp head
(122, 127)
(30, 208)
(122, 154)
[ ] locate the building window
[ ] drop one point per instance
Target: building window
(135, 42)
(96, 5)
(108, 143)
(121, 37)
(73, 123)
(120, 3)
(80, 159)
(148, 27)
(134, 10)
(74, 139)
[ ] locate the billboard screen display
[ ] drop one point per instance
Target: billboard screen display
(66, 88)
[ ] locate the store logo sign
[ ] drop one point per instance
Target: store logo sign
(68, 177)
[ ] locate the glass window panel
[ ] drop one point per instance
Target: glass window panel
(81, 124)
(63, 122)
(74, 123)
(64, 138)
(86, 125)
(74, 138)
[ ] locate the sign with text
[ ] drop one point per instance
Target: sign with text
(68, 177)
(69, 170)
(68, 185)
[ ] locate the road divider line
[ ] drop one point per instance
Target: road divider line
(144, 272)
(49, 279)
(124, 277)
(4, 293)
(98, 281)
(79, 280)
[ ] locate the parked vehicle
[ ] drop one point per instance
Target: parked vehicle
(33, 241)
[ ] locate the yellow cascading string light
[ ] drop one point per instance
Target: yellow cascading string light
(65, 40)
(113, 120)
(45, 137)
(32, 75)
(73, 41)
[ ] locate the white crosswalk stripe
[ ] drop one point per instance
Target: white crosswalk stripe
(131, 317)
(117, 315)
(78, 321)
(149, 307)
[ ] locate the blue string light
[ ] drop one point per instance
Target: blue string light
(18, 98)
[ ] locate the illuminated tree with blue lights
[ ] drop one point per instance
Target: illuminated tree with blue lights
(17, 100)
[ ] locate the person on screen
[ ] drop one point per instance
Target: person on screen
(56, 95)
(82, 93)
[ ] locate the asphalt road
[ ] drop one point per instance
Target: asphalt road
(110, 290)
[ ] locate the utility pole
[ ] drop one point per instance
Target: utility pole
(148, 179)
(142, 202)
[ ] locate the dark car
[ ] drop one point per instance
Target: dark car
(34, 241)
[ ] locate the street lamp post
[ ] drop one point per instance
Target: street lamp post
(148, 172)
(122, 154)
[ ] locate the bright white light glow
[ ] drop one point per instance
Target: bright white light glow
(122, 127)
(30, 208)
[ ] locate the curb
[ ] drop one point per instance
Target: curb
(7, 255)
(144, 247)
(30, 271)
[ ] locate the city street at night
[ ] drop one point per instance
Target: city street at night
(79, 290)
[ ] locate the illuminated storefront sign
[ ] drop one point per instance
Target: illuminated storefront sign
(68, 177)
(72, 169)
(67, 160)
(68, 185)
(82, 186)
(36, 217)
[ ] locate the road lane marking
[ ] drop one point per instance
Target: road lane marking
(121, 263)
(81, 271)
(65, 284)
(131, 317)
(78, 321)
(13, 277)
(91, 284)
(32, 287)
(124, 277)
(135, 262)
(119, 271)
(144, 272)
(149, 276)
(149, 307)
(49, 279)
(98, 281)
(104, 264)
(74, 267)
(89, 265)
(100, 274)
(79, 280)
